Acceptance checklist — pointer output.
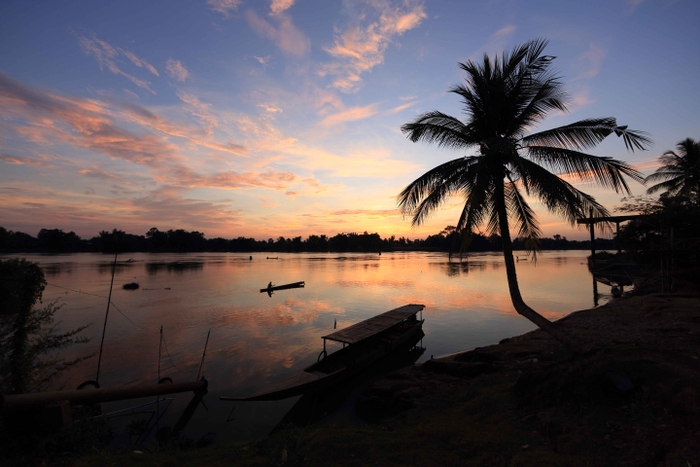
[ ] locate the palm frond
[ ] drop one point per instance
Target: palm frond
(477, 187)
(604, 171)
(557, 195)
(520, 210)
(586, 134)
(431, 189)
(436, 127)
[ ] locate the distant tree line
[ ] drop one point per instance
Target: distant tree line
(448, 240)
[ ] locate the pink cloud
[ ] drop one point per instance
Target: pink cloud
(225, 7)
(182, 176)
(351, 115)
(285, 35)
(278, 6)
(107, 55)
(592, 61)
(23, 160)
(82, 123)
(99, 174)
(361, 46)
(176, 70)
(401, 107)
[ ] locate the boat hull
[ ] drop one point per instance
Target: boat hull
(345, 364)
(293, 285)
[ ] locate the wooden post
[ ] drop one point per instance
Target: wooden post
(592, 238)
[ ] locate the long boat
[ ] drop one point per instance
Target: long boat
(293, 285)
(364, 343)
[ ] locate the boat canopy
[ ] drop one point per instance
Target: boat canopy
(374, 325)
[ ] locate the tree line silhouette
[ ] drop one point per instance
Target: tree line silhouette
(179, 240)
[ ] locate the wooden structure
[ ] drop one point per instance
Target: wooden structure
(56, 406)
(373, 326)
(591, 221)
(363, 344)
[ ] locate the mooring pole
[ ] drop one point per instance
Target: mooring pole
(592, 237)
(204, 354)
(104, 328)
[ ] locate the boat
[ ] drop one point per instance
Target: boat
(272, 288)
(364, 343)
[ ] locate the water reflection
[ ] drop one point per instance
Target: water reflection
(56, 269)
(106, 267)
(176, 267)
(256, 340)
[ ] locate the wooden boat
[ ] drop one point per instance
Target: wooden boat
(364, 343)
(293, 285)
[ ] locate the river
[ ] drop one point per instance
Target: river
(257, 340)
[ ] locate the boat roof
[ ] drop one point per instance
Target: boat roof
(374, 325)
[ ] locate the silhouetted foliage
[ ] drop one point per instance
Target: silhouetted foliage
(669, 227)
(156, 241)
(29, 339)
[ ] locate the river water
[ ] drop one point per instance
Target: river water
(257, 340)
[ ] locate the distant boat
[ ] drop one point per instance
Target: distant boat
(293, 285)
(364, 343)
(270, 257)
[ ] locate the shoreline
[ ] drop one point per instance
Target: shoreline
(634, 400)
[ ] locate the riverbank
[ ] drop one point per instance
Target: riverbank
(634, 400)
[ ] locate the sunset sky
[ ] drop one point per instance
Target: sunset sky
(282, 117)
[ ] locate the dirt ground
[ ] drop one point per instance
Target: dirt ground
(634, 399)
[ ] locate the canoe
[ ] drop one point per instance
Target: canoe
(364, 343)
(293, 285)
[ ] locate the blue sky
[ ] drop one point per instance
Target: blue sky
(266, 118)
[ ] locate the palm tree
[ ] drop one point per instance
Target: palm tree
(503, 99)
(679, 174)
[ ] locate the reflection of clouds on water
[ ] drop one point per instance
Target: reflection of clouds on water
(258, 340)
(396, 284)
(292, 311)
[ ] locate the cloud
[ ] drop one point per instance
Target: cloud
(581, 98)
(176, 70)
(185, 177)
(361, 46)
(350, 115)
(285, 35)
(139, 62)
(371, 213)
(269, 108)
(99, 174)
(49, 119)
(401, 107)
(634, 4)
(107, 56)
(496, 43)
(23, 160)
(200, 110)
(592, 60)
(262, 60)
(278, 6)
(83, 123)
(225, 7)
(131, 94)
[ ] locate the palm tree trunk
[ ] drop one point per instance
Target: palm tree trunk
(517, 299)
